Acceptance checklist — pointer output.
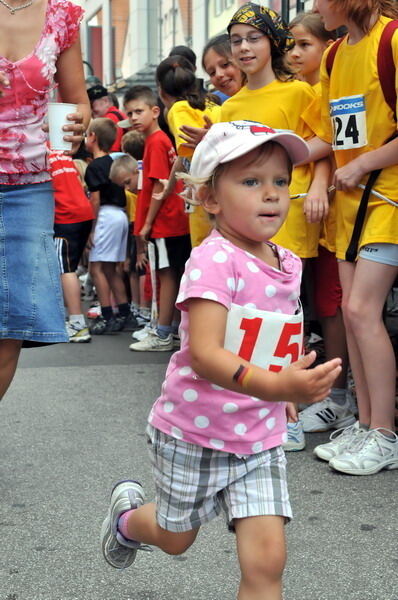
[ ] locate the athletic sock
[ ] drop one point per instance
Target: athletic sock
(107, 312)
(163, 331)
(339, 396)
(77, 320)
(124, 309)
(122, 523)
(174, 327)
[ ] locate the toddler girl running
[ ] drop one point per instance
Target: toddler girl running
(216, 430)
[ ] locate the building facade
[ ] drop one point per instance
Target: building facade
(124, 40)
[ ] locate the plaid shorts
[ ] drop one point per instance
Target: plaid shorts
(193, 483)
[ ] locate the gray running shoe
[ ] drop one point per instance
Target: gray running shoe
(119, 552)
(102, 326)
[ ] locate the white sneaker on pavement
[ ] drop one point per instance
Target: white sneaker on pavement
(153, 343)
(295, 437)
(77, 333)
(340, 441)
(374, 452)
(140, 334)
(326, 415)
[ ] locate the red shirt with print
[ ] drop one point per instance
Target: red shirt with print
(71, 203)
(171, 220)
(115, 115)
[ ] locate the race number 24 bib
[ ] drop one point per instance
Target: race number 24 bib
(348, 117)
(267, 339)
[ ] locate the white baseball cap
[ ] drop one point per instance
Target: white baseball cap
(226, 141)
(125, 124)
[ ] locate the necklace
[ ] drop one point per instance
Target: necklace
(13, 9)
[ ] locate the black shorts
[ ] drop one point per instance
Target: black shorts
(172, 252)
(70, 240)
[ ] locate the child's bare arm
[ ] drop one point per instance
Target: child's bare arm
(296, 383)
(153, 210)
(316, 203)
(169, 184)
(193, 135)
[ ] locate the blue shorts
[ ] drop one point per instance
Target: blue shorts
(31, 301)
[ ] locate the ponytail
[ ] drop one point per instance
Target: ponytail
(176, 77)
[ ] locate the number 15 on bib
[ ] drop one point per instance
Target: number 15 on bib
(348, 116)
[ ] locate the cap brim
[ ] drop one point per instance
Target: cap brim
(294, 145)
(125, 124)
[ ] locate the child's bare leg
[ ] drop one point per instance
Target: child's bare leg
(101, 283)
(346, 273)
(262, 557)
(142, 527)
(370, 287)
(334, 338)
(168, 295)
(115, 281)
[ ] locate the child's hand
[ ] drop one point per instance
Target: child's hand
(193, 135)
(316, 205)
(346, 178)
(298, 383)
(165, 191)
(145, 232)
(142, 261)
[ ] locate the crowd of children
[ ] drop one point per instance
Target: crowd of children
(258, 179)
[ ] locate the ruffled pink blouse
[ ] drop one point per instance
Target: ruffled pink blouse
(23, 105)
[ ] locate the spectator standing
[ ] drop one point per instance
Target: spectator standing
(109, 240)
(38, 41)
(73, 222)
(102, 106)
(162, 221)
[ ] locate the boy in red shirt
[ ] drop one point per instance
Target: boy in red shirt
(73, 221)
(162, 222)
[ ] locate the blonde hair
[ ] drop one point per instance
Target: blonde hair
(122, 164)
(194, 183)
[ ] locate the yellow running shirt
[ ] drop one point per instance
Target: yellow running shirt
(353, 98)
(182, 113)
(312, 116)
(280, 105)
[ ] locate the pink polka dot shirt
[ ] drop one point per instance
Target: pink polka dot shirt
(195, 410)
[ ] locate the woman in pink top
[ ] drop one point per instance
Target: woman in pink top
(39, 49)
(215, 433)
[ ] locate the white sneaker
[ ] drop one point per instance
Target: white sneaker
(295, 437)
(326, 415)
(78, 334)
(340, 441)
(153, 343)
(375, 452)
(140, 334)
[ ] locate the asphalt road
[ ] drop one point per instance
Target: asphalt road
(73, 423)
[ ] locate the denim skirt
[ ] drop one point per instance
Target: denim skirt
(31, 300)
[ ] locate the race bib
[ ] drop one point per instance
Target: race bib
(267, 339)
(348, 117)
(140, 173)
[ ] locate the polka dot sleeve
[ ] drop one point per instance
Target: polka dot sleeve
(210, 273)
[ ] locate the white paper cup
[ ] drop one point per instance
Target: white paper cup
(57, 113)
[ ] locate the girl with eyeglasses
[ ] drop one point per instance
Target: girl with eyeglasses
(259, 44)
